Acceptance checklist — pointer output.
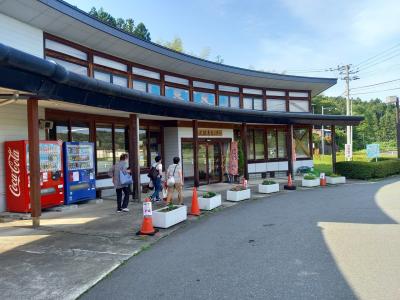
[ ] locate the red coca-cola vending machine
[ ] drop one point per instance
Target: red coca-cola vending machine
(16, 156)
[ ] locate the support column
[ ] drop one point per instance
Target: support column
(34, 161)
(333, 143)
(134, 155)
(398, 126)
(290, 150)
(196, 152)
(243, 136)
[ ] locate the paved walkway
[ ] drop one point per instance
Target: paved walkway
(75, 248)
(336, 243)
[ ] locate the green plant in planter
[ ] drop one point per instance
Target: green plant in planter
(268, 182)
(333, 175)
(238, 188)
(310, 176)
(209, 194)
(169, 207)
(240, 158)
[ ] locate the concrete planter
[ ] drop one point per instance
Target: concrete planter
(310, 183)
(268, 188)
(169, 218)
(238, 195)
(335, 180)
(210, 203)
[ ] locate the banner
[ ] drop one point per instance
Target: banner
(234, 159)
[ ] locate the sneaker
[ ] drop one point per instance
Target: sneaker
(125, 209)
(119, 210)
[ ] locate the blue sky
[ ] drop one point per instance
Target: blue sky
(301, 37)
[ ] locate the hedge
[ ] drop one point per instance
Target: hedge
(368, 170)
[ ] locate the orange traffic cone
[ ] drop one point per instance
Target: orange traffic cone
(322, 182)
(195, 210)
(147, 225)
(289, 185)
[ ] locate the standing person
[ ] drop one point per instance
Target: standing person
(156, 178)
(115, 173)
(175, 171)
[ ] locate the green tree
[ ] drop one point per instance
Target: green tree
(142, 32)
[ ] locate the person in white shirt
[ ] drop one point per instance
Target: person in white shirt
(157, 180)
(175, 171)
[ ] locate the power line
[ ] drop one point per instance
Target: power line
(379, 62)
(375, 84)
(372, 92)
(380, 53)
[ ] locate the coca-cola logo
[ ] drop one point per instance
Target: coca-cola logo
(14, 165)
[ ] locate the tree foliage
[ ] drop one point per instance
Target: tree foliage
(127, 25)
(379, 125)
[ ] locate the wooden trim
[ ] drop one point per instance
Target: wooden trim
(196, 152)
(34, 160)
(290, 150)
(244, 145)
(134, 154)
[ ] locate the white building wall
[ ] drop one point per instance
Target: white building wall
(14, 126)
(172, 145)
(21, 36)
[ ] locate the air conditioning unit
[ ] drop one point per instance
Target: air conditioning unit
(45, 124)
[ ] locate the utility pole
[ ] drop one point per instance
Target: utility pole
(322, 135)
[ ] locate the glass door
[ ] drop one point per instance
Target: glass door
(214, 162)
(203, 163)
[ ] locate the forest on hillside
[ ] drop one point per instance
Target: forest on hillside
(379, 125)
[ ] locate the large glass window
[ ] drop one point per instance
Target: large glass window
(276, 143)
(120, 141)
(111, 78)
(298, 106)
(147, 87)
(228, 101)
(61, 132)
(259, 144)
(104, 148)
(143, 162)
(79, 69)
(177, 93)
(250, 144)
(204, 98)
(154, 145)
(276, 105)
(302, 142)
(145, 73)
(253, 103)
(175, 79)
(248, 103)
(282, 144)
(120, 80)
(109, 63)
(56, 46)
(271, 144)
(80, 133)
(204, 85)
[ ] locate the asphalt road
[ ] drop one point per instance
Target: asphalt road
(332, 243)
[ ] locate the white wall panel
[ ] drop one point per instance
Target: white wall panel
(21, 36)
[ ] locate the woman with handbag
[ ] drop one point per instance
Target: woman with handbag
(156, 176)
(175, 181)
(122, 180)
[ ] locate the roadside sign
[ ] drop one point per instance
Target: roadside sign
(147, 209)
(322, 175)
(373, 150)
(348, 151)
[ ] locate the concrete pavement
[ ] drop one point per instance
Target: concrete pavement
(335, 243)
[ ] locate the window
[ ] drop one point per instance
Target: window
(302, 142)
(255, 144)
(204, 98)
(298, 94)
(104, 148)
(227, 88)
(252, 91)
(102, 76)
(109, 63)
(79, 133)
(271, 144)
(176, 93)
(120, 80)
(253, 103)
(145, 73)
(229, 101)
(298, 106)
(204, 85)
(175, 79)
(59, 132)
(111, 78)
(147, 87)
(276, 105)
(276, 143)
(282, 144)
(276, 93)
(56, 46)
(79, 69)
(149, 146)
(143, 162)
(154, 145)
(121, 141)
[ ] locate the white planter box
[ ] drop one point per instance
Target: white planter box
(169, 218)
(238, 195)
(335, 180)
(268, 188)
(310, 183)
(210, 203)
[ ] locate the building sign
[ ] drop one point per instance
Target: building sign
(373, 150)
(348, 151)
(234, 159)
(209, 132)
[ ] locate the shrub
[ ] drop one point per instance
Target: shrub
(309, 176)
(368, 170)
(209, 194)
(268, 182)
(238, 188)
(330, 174)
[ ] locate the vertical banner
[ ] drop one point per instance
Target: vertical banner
(234, 159)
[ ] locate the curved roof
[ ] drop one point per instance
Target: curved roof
(62, 19)
(47, 80)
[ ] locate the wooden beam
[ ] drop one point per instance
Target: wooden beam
(244, 146)
(134, 155)
(290, 149)
(196, 152)
(333, 143)
(34, 161)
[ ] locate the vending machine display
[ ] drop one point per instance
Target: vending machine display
(18, 180)
(80, 182)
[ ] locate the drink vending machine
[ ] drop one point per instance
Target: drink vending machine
(80, 181)
(18, 180)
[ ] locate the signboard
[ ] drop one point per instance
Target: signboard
(322, 175)
(234, 159)
(348, 151)
(147, 209)
(373, 150)
(209, 132)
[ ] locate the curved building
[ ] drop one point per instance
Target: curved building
(95, 83)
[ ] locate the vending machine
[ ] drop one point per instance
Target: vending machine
(80, 181)
(17, 175)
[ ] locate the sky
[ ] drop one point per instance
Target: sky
(299, 37)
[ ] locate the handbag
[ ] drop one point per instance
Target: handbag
(125, 178)
(150, 185)
(171, 179)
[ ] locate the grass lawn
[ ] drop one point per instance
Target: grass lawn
(323, 163)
